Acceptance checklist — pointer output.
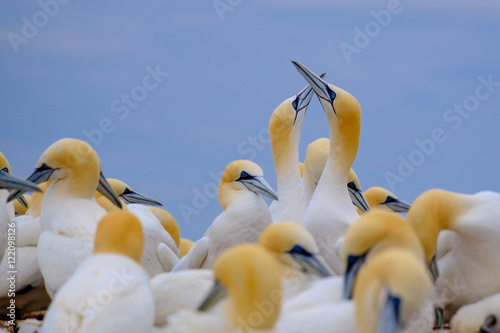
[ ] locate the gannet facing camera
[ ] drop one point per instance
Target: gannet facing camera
(245, 214)
(69, 213)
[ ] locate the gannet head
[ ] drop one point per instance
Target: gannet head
(316, 156)
(120, 232)
(379, 197)
(433, 211)
(243, 175)
(250, 275)
(357, 197)
(289, 115)
(294, 246)
(168, 222)
(391, 288)
(374, 232)
(343, 113)
(130, 196)
(10, 182)
(76, 161)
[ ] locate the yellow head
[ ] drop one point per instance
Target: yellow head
(120, 232)
(316, 156)
(242, 175)
(4, 163)
(352, 177)
(379, 230)
(252, 278)
(72, 159)
(168, 222)
(433, 211)
(281, 237)
(392, 279)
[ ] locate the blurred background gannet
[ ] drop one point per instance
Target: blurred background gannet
(470, 263)
(110, 291)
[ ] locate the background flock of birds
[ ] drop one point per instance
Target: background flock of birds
(323, 257)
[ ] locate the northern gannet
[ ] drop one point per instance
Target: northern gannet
(70, 213)
(30, 288)
(469, 268)
(372, 233)
(316, 157)
(284, 130)
(109, 291)
(7, 212)
(391, 296)
(161, 251)
(330, 211)
(297, 253)
(250, 277)
(245, 214)
(378, 197)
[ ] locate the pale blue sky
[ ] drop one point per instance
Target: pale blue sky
(227, 76)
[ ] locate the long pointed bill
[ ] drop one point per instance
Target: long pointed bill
(258, 184)
(319, 85)
(354, 263)
(398, 206)
(312, 263)
(217, 293)
(130, 196)
(357, 197)
(390, 319)
(22, 201)
(304, 97)
(40, 175)
(105, 189)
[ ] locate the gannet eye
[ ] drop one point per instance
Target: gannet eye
(294, 104)
(352, 186)
(390, 199)
(333, 95)
(245, 175)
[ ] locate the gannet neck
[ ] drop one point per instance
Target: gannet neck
(251, 276)
(345, 127)
(120, 232)
(434, 211)
(168, 222)
(284, 131)
(394, 278)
